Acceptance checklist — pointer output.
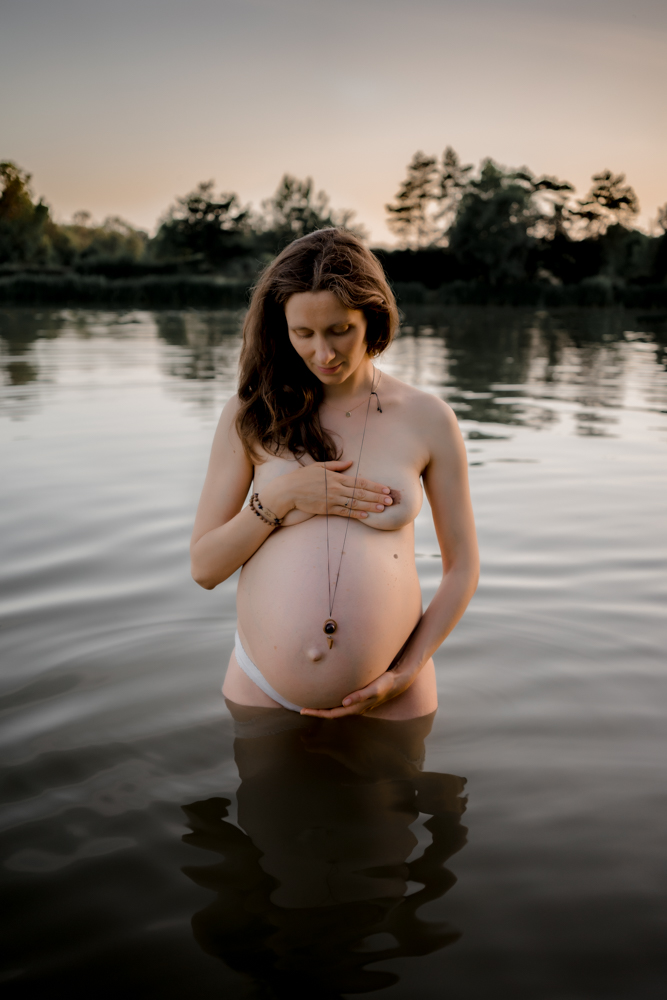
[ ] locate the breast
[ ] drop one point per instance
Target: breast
(407, 493)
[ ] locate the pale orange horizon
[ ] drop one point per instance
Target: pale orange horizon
(119, 107)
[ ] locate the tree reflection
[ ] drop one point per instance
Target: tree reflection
(20, 328)
(315, 883)
(209, 343)
(21, 372)
(495, 365)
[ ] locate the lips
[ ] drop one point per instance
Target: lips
(329, 371)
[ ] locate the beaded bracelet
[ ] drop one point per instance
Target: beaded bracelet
(262, 512)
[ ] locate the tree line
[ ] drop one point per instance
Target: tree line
(475, 234)
(499, 227)
(201, 233)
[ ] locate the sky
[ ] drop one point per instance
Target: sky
(118, 106)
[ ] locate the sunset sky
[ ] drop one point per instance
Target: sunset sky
(118, 106)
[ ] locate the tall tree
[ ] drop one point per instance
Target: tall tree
(659, 269)
(609, 202)
(453, 182)
(413, 213)
(297, 209)
(551, 200)
(202, 226)
(662, 218)
(24, 225)
(491, 233)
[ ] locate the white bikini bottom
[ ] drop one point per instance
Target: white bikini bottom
(255, 674)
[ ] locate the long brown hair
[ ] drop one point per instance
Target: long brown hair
(279, 395)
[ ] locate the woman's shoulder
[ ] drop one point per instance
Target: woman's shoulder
(429, 420)
(414, 402)
(231, 408)
(226, 428)
(227, 436)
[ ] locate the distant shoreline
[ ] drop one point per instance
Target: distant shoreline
(208, 291)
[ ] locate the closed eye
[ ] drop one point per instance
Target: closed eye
(338, 331)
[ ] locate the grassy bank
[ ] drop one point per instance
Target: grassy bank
(150, 292)
(599, 292)
(193, 291)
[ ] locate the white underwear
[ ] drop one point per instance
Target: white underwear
(255, 674)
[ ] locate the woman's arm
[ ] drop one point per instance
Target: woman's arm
(446, 483)
(225, 536)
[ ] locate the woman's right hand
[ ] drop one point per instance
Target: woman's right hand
(304, 489)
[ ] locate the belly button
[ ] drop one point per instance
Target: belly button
(314, 654)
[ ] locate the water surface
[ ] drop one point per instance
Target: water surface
(153, 844)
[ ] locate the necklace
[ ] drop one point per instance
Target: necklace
(331, 625)
(348, 413)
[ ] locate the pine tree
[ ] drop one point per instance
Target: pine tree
(412, 216)
(454, 179)
(609, 202)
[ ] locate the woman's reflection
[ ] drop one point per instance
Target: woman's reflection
(319, 885)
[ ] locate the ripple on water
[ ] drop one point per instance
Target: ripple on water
(551, 688)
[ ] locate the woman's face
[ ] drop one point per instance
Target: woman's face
(327, 336)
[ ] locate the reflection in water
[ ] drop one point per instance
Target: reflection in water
(494, 365)
(317, 883)
(20, 328)
(20, 372)
(552, 686)
(211, 341)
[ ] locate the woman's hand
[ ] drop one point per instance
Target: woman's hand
(305, 490)
(385, 687)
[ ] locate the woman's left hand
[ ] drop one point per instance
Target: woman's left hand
(385, 687)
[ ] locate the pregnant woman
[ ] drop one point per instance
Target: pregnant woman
(330, 619)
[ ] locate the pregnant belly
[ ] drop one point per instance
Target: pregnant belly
(283, 603)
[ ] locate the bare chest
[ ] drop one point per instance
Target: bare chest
(389, 454)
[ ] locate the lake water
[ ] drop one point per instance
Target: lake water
(154, 846)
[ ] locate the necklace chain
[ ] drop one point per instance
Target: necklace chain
(361, 402)
(349, 411)
(332, 598)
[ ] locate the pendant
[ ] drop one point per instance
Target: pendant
(348, 414)
(329, 628)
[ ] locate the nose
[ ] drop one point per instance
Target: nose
(324, 352)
